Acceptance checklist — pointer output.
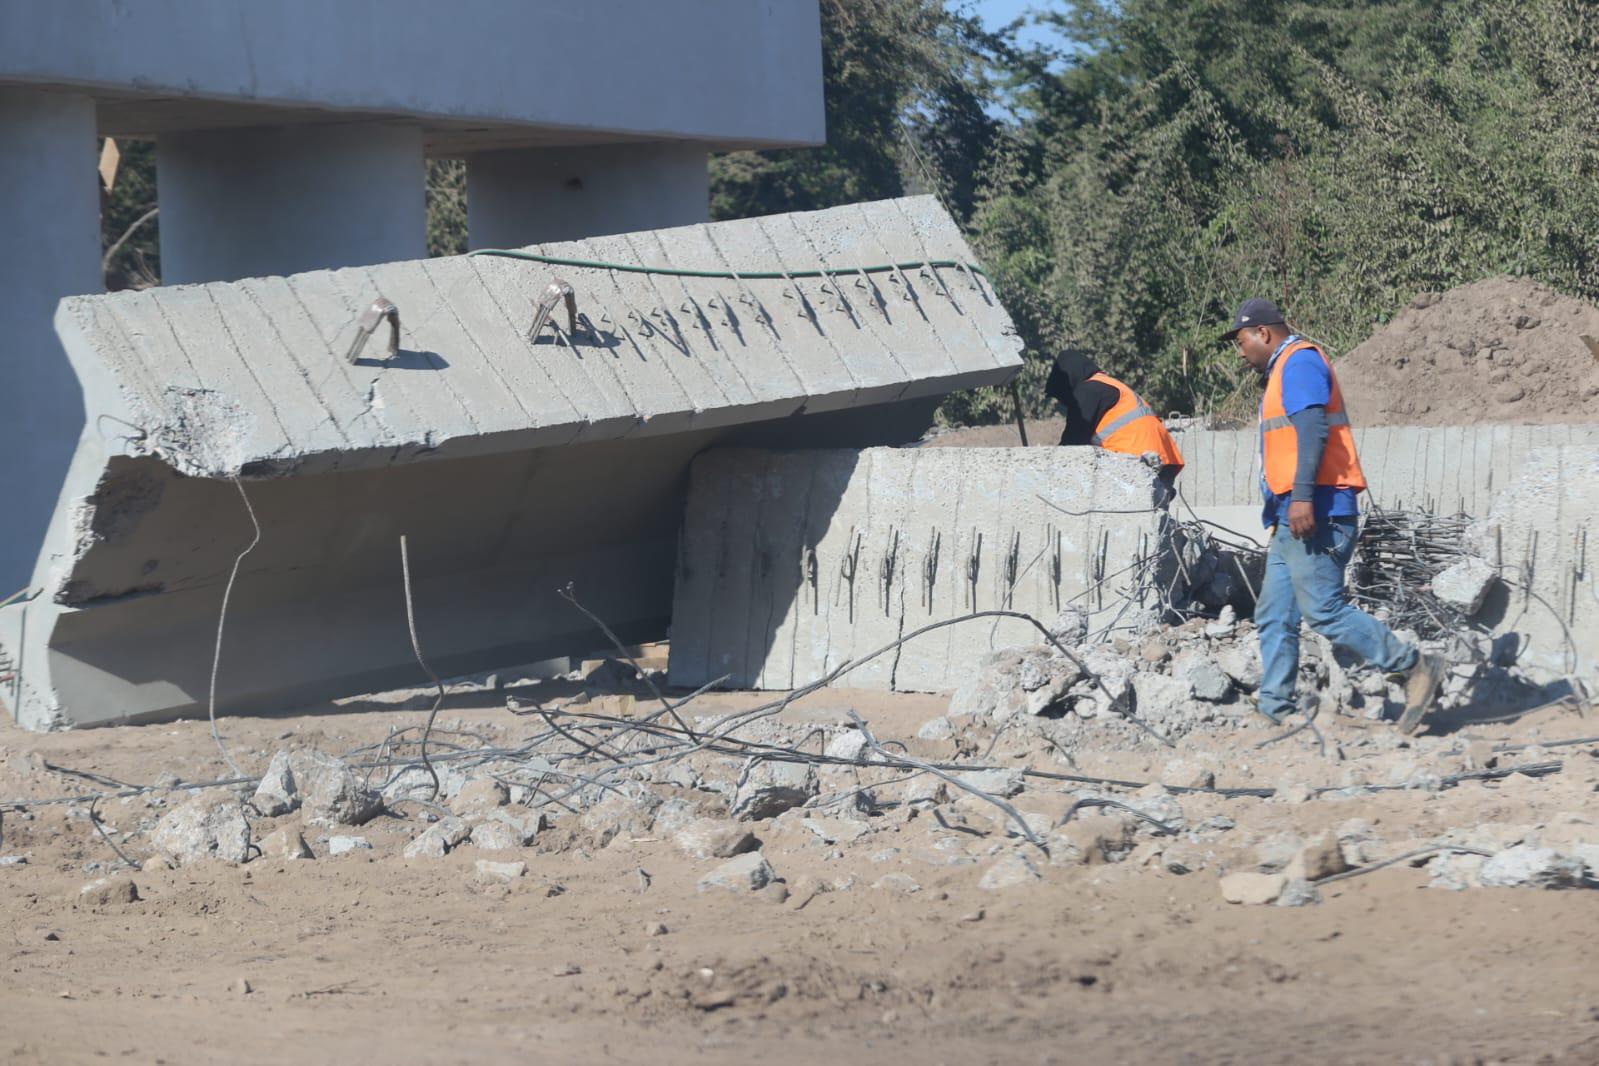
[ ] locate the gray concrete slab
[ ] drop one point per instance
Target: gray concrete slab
(874, 517)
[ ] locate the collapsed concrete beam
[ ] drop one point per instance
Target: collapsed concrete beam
(794, 562)
(513, 465)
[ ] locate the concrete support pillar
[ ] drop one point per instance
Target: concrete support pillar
(50, 218)
(537, 195)
(281, 200)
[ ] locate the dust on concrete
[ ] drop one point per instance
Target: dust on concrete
(917, 928)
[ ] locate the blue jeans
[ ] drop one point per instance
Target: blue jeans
(1305, 580)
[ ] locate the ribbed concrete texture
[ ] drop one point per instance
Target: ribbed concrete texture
(1448, 469)
(793, 562)
(1541, 528)
(513, 466)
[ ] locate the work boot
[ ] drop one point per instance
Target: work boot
(1421, 690)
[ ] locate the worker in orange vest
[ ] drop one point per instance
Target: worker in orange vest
(1102, 411)
(1311, 483)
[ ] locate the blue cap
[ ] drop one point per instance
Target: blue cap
(1255, 311)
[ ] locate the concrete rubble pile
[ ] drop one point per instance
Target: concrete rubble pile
(751, 798)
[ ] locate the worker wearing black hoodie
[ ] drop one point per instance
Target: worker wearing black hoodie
(1102, 411)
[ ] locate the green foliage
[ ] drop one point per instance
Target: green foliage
(1339, 157)
(125, 217)
(446, 200)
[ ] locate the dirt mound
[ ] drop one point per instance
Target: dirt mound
(1500, 350)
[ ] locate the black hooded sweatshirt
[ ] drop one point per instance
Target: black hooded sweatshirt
(1085, 403)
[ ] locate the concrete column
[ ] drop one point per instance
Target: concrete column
(284, 199)
(537, 195)
(50, 216)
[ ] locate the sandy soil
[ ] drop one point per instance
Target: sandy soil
(371, 957)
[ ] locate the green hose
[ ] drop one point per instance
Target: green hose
(754, 275)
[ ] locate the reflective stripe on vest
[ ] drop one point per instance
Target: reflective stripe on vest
(1127, 419)
(1131, 426)
(1338, 418)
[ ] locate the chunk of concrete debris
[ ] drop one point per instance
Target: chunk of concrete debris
(707, 838)
(622, 814)
(1455, 871)
(1252, 888)
(1205, 677)
(1003, 781)
(745, 873)
(904, 884)
(331, 792)
(276, 794)
(1014, 681)
(1011, 871)
(498, 873)
(940, 728)
(1069, 626)
(769, 788)
(480, 794)
(320, 784)
(343, 845)
(210, 826)
(848, 744)
(437, 839)
(109, 891)
(1241, 662)
(519, 830)
(1322, 857)
(495, 836)
(1465, 584)
(285, 843)
(1525, 866)
(1298, 892)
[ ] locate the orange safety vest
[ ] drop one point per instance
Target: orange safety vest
(1279, 442)
(1132, 428)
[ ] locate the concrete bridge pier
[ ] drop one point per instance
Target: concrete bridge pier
(50, 216)
(259, 201)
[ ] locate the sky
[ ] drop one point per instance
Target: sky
(996, 13)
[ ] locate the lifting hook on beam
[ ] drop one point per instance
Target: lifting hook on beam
(554, 293)
(368, 323)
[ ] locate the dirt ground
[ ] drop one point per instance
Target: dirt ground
(372, 957)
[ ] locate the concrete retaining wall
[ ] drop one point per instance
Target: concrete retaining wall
(793, 562)
(1448, 469)
(512, 466)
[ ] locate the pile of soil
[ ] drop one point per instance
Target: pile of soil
(1500, 350)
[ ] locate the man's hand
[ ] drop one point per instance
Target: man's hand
(1301, 519)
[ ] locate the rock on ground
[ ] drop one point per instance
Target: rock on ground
(108, 891)
(502, 873)
(324, 786)
(1003, 782)
(770, 788)
(1298, 892)
(343, 845)
(436, 841)
(745, 873)
(1321, 857)
(1252, 888)
(707, 838)
(1465, 584)
(1525, 866)
(1009, 872)
(285, 843)
(207, 827)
